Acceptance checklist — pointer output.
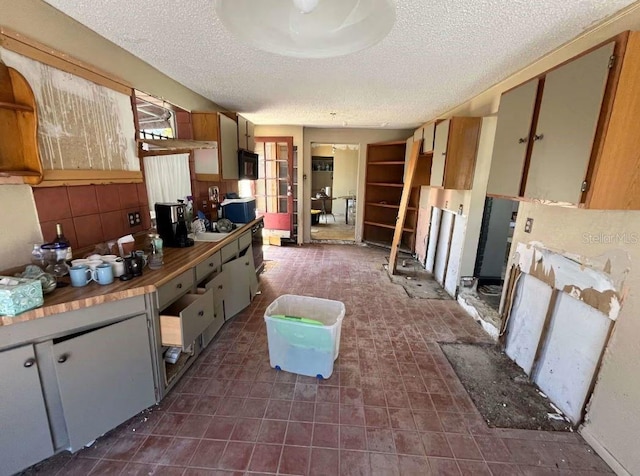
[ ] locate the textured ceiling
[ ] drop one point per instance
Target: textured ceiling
(439, 54)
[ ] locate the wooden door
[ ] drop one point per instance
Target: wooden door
(440, 153)
(105, 377)
(569, 113)
(511, 140)
(25, 437)
(273, 192)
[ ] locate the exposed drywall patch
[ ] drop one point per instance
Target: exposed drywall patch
(81, 125)
(473, 306)
(591, 286)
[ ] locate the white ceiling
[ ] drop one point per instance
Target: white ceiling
(439, 54)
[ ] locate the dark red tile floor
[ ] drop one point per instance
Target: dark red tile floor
(392, 406)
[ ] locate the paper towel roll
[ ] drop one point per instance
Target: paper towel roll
(327, 190)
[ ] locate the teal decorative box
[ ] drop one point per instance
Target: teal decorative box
(19, 294)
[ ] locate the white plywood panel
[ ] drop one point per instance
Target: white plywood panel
(577, 335)
(434, 230)
(439, 153)
(422, 234)
(512, 136)
(206, 161)
(446, 228)
(527, 319)
(455, 254)
(569, 115)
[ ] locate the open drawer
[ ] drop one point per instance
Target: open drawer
(183, 321)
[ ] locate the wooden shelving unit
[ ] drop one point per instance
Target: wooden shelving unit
(19, 155)
(383, 190)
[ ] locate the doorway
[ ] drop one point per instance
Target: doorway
(334, 185)
(275, 189)
(498, 222)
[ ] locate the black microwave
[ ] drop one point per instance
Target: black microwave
(247, 165)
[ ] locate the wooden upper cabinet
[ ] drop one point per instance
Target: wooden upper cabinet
(566, 127)
(512, 139)
(615, 180)
(454, 153)
(583, 147)
(213, 126)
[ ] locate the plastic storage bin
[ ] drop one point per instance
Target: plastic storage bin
(299, 346)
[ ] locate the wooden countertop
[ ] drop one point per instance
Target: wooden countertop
(176, 261)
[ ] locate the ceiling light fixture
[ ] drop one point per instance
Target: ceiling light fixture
(308, 28)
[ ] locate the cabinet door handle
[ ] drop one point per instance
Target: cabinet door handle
(220, 287)
(523, 140)
(29, 362)
(538, 137)
(201, 313)
(246, 264)
(63, 358)
(211, 265)
(179, 285)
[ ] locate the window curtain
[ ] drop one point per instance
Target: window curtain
(167, 178)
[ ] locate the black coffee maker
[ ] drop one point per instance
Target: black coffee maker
(171, 225)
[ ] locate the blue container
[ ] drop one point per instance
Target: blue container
(239, 210)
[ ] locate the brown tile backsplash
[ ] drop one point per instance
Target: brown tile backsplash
(108, 198)
(83, 200)
(91, 214)
(128, 195)
(52, 203)
(88, 230)
(112, 224)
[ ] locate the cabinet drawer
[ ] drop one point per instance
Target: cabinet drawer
(229, 251)
(183, 321)
(208, 266)
(174, 288)
(244, 240)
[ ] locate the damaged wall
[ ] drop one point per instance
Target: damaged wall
(613, 418)
(610, 240)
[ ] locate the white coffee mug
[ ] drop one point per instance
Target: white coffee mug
(118, 267)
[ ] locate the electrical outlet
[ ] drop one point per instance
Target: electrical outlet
(135, 219)
(528, 225)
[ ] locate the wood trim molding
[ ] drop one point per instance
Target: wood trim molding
(208, 177)
(33, 49)
(56, 178)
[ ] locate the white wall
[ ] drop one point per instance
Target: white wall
(20, 228)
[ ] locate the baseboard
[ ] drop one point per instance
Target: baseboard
(608, 458)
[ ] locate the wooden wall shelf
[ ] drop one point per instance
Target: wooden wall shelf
(19, 155)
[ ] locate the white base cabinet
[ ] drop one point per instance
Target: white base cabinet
(25, 436)
(105, 377)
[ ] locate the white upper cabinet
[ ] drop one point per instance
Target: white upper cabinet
(428, 134)
(569, 113)
(512, 137)
(439, 153)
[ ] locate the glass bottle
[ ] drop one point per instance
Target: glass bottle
(60, 238)
(155, 257)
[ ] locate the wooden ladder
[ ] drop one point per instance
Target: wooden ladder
(404, 203)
